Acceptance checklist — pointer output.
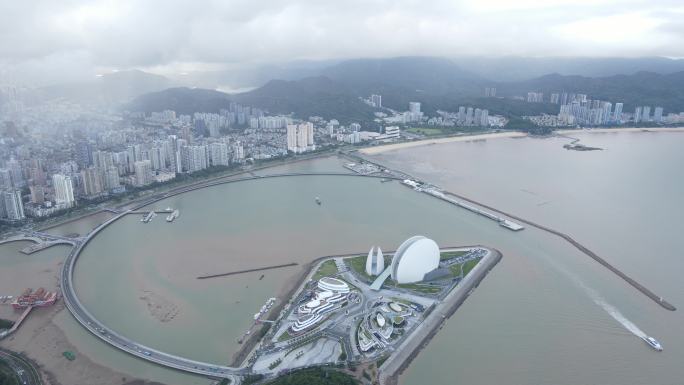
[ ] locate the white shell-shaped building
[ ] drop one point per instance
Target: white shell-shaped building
(375, 263)
(333, 284)
(414, 258)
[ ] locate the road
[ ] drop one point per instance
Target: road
(127, 345)
(27, 373)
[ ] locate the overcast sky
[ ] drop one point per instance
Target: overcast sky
(65, 39)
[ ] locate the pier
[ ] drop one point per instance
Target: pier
(503, 222)
(247, 271)
(17, 323)
(39, 246)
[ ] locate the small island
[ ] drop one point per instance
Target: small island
(580, 147)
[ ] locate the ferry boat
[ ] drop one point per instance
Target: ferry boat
(173, 216)
(652, 342)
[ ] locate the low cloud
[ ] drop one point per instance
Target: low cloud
(43, 40)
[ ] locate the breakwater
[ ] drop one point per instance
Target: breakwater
(644, 290)
(658, 299)
(247, 270)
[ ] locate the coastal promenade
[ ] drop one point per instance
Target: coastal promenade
(100, 330)
(400, 359)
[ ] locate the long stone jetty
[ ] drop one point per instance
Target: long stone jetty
(247, 270)
(658, 299)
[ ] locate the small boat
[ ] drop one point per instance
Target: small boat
(652, 342)
(318, 201)
(171, 217)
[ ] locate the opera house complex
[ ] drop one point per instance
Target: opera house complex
(379, 307)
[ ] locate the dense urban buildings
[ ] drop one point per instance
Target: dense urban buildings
(577, 109)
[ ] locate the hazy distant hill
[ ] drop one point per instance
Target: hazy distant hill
(419, 74)
(183, 100)
(108, 89)
(499, 69)
(524, 68)
(320, 96)
(307, 97)
(436, 83)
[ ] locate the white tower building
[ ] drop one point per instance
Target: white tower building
(375, 263)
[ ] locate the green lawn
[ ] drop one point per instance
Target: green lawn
(464, 268)
(469, 266)
(7, 375)
(420, 288)
(358, 264)
(451, 254)
(327, 268)
(284, 337)
(315, 376)
(456, 270)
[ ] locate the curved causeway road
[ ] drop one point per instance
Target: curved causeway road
(121, 342)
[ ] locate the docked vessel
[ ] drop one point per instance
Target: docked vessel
(173, 216)
(40, 297)
(148, 217)
(652, 342)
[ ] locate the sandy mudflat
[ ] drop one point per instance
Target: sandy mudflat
(159, 307)
(44, 342)
(423, 142)
(507, 134)
(39, 337)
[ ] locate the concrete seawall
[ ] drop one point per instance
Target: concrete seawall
(247, 270)
(392, 368)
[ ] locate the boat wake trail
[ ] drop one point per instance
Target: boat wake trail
(599, 300)
(615, 313)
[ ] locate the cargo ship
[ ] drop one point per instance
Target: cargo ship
(40, 297)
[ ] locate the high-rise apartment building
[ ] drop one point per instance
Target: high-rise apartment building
(143, 172)
(64, 190)
(12, 206)
(300, 137)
